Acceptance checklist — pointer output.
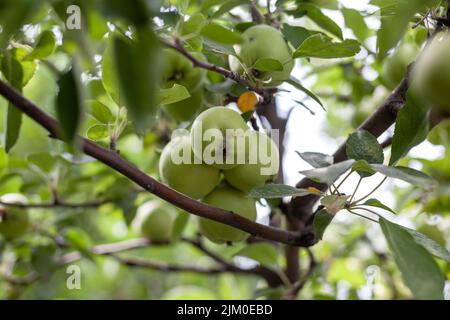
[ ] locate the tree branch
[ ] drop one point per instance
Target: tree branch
(114, 161)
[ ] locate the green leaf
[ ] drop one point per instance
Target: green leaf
(394, 22)
(44, 258)
(406, 174)
(220, 34)
(43, 160)
(411, 127)
(322, 219)
(376, 203)
(316, 159)
(362, 145)
(355, 21)
(322, 20)
(194, 24)
(272, 191)
(363, 168)
(227, 6)
(98, 132)
(268, 64)
(13, 73)
(321, 46)
(174, 94)
(45, 46)
(100, 111)
(295, 34)
(432, 246)
(264, 253)
(29, 69)
(298, 86)
(138, 71)
(247, 115)
(334, 203)
(109, 74)
(419, 270)
(3, 160)
(69, 105)
(329, 174)
(78, 239)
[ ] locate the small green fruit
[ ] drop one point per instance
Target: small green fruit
(431, 74)
(185, 109)
(263, 41)
(215, 134)
(14, 221)
(179, 70)
(227, 198)
(394, 67)
(178, 169)
(155, 221)
(261, 163)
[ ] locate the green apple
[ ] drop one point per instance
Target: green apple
(261, 163)
(431, 74)
(263, 41)
(178, 169)
(233, 200)
(395, 66)
(179, 70)
(155, 220)
(215, 134)
(185, 109)
(14, 221)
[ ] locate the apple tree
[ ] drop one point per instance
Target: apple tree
(101, 170)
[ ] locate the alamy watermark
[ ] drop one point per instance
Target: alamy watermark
(73, 281)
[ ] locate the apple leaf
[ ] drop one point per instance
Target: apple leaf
(334, 203)
(45, 46)
(69, 105)
(328, 174)
(3, 160)
(220, 34)
(362, 145)
(363, 168)
(100, 111)
(432, 246)
(109, 74)
(98, 132)
(272, 191)
(322, 20)
(174, 94)
(268, 64)
(298, 86)
(43, 160)
(295, 34)
(264, 253)
(227, 6)
(419, 270)
(377, 203)
(322, 219)
(180, 223)
(355, 21)
(406, 174)
(316, 159)
(137, 65)
(411, 126)
(322, 46)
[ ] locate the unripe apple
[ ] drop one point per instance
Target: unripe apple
(394, 67)
(233, 200)
(261, 163)
(179, 70)
(431, 74)
(178, 169)
(155, 220)
(14, 221)
(185, 109)
(263, 41)
(215, 134)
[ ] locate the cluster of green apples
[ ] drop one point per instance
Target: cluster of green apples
(431, 74)
(14, 221)
(178, 69)
(201, 179)
(263, 42)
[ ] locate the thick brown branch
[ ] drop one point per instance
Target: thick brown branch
(114, 161)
